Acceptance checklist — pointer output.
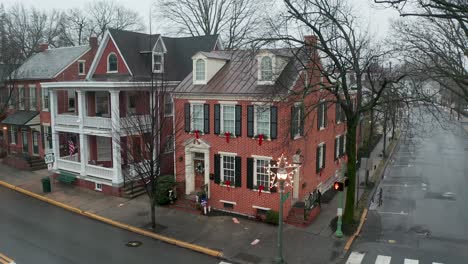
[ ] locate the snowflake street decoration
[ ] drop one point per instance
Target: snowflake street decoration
(284, 172)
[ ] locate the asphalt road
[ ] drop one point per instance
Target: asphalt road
(34, 232)
(424, 214)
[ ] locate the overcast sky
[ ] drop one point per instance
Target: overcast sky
(376, 19)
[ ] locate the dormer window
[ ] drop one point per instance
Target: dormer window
(266, 69)
(158, 62)
(112, 63)
(200, 70)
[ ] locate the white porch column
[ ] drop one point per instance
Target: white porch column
(83, 137)
(116, 156)
(55, 137)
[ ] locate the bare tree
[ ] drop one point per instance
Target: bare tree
(76, 27)
(234, 20)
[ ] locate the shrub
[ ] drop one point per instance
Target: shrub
(164, 184)
(272, 217)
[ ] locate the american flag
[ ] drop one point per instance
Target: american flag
(71, 147)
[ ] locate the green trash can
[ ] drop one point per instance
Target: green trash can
(46, 185)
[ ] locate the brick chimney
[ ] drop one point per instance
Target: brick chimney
(43, 46)
(310, 40)
(93, 43)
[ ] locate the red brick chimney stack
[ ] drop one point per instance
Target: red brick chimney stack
(93, 43)
(43, 46)
(310, 40)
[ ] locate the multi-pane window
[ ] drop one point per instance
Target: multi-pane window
(228, 121)
(169, 145)
(131, 103)
(262, 117)
(200, 70)
(45, 99)
(337, 147)
(296, 120)
(197, 117)
(322, 115)
(158, 62)
(81, 67)
(261, 173)
(112, 63)
(102, 104)
(266, 69)
(321, 156)
(13, 135)
(71, 100)
(167, 104)
(228, 169)
(32, 97)
(21, 97)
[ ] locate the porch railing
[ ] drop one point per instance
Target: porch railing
(100, 172)
(69, 165)
(68, 120)
(98, 122)
(136, 121)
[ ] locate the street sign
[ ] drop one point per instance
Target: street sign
(285, 197)
(49, 158)
(50, 166)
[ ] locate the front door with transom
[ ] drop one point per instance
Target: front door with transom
(199, 167)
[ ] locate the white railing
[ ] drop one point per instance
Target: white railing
(136, 168)
(69, 165)
(74, 157)
(98, 122)
(100, 172)
(136, 121)
(68, 120)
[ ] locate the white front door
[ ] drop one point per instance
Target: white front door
(193, 152)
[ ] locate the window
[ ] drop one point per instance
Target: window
(322, 115)
(98, 186)
(112, 63)
(131, 103)
(228, 206)
(228, 118)
(200, 70)
(338, 113)
(228, 169)
(169, 145)
(104, 146)
(337, 147)
(45, 99)
(71, 100)
(47, 130)
(266, 69)
(81, 67)
(262, 178)
(321, 149)
(158, 60)
(262, 120)
(197, 117)
(13, 135)
(21, 97)
(32, 98)
(297, 116)
(344, 144)
(102, 104)
(13, 93)
(167, 105)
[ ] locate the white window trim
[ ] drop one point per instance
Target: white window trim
(259, 71)
(298, 134)
(12, 134)
(321, 165)
(228, 202)
(255, 120)
(195, 81)
(31, 105)
(344, 143)
(261, 208)
(21, 98)
(337, 147)
(341, 112)
(267, 188)
(96, 186)
(172, 103)
(108, 56)
(191, 115)
(232, 185)
(323, 108)
(162, 61)
(45, 91)
(221, 118)
(227, 153)
(84, 67)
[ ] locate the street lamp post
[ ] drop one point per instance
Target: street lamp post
(283, 178)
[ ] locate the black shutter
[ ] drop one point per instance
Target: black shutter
(250, 173)
(293, 127)
(250, 121)
(206, 117)
(335, 156)
(238, 120)
(42, 137)
(302, 120)
(187, 117)
(16, 134)
(9, 135)
(325, 110)
(324, 155)
(217, 120)
(238, 172)
(317, 160)
(273, 122)
(217, 168)
(49, 136)
(319, 115)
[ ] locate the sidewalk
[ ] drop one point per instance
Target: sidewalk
(315, 244)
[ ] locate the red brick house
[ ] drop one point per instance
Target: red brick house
(231, 100)
(28, 124)
(128, 70)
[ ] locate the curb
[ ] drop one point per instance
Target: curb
(364, 213)
(169, 240)
(5, 259)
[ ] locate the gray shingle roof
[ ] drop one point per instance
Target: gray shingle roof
(45, 65)
(134, 47)
(20, 118)
(239, 75)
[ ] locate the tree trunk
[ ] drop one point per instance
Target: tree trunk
(348, 216)
(153, 214)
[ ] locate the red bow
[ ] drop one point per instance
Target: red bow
(197, 134)
(260, 139)
(260, 189)
(228, 184)
(227, 134)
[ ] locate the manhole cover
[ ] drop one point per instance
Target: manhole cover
(133, 243)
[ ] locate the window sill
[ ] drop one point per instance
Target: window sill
(199, 133)
(221, 134)
(322, 128)
(168, 115)
(256, 190)
(112, 71)
(297, 137)
(224, 185)
(81, 74)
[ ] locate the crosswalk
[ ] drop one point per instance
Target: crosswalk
(358, 257)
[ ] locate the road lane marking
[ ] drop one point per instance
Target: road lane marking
(411, 261)
(355, 258)
(383, 259)
(6, 260)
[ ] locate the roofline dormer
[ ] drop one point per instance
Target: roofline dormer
(211, 64)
